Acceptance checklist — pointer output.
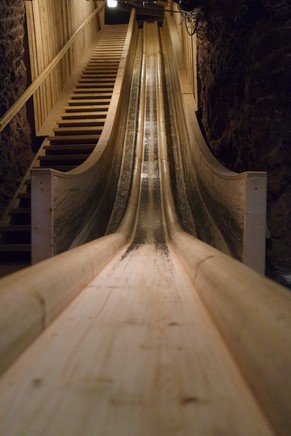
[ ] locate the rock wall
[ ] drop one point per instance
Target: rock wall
(244, 76)
(15, 141)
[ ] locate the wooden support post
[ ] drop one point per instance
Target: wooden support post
(42, 217)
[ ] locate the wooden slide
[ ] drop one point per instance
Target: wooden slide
(164, 335)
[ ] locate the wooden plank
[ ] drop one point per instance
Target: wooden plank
(100, 89)
(219, 198)
(69, 148)
(81, 123)
(135, 353)
(92, 87)
(15, 248)
(87, 108)
(78, 130)
(84, 115)
(15, 228)
(91, 96)
(232, 293)
(72, 139)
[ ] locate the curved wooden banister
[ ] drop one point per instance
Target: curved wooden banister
(20, 102)
(60, 200)
(229, 207)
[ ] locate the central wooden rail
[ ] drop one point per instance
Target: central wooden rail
(136, 352)
(68, 206)
(229, 208)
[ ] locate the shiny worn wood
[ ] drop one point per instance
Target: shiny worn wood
(63, 224)
(63, 220)
(136, 352)
(169, 337)
(50, 66)
(229, 207)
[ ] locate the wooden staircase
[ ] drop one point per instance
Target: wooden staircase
(72, 140)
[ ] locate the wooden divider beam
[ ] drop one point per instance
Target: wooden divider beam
(82, 190)
(229, 208)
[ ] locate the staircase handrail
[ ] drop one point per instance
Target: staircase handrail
(30, 90)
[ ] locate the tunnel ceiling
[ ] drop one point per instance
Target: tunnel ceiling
(145, 10)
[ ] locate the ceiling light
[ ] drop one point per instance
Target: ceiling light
(112, 3)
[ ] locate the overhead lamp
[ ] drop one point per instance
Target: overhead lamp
(111, 3)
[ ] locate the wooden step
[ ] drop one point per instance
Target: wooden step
(84, 115)
(105, 55)
(107, 64)
(24, 195)
(80, 139)
(15, 228)
(69, 149)
(93, 72)
(62, 168)
(24, 199)
(61, 160)
(20, 215)
(95, 84)
(92, 96)
(18, 233)
(15, 253)
(99, 70)
(92, 78)
(99, 67)
(113, 57)
(77, 131)
(87, 102)
(20, 211)
(118, 43)
(110, 60)
(93, 88)
(87, 108)
(92, 82)
(93, 91)
(88, 75)
(81, 123)
(15, 248)
(106, 49)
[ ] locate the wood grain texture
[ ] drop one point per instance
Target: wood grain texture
(252, 313)
(229, 208)
(135, 354)
(172, 337)
(82, 199)
(51, 24)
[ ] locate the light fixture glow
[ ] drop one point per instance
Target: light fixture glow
(112, 3)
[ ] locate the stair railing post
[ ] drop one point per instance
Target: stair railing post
(42, 216)
(255, 221)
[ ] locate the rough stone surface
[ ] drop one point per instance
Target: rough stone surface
(244, 78)
(15, 142)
